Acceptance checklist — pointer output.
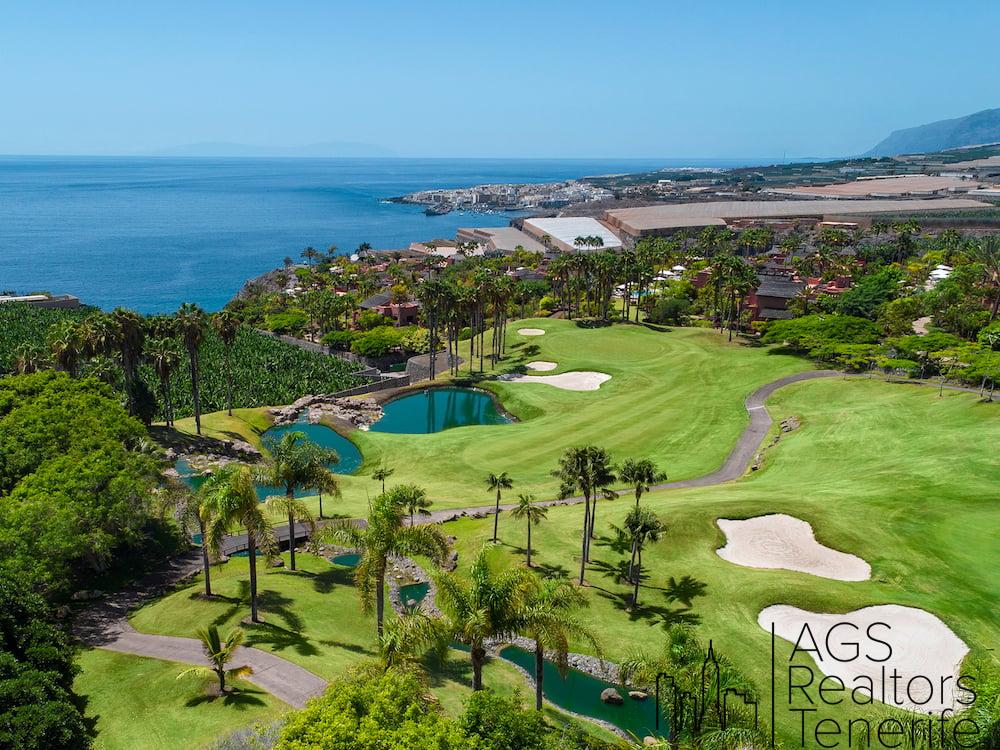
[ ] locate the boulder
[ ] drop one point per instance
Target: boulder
(86, 595)
(650, 741)
(638, 695)
(612, 697)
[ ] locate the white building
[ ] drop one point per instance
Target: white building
(563, 233)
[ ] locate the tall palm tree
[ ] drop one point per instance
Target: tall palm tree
(531, 513)
(381, 474)
(296, 463)
(549, 622)
(410, 497)
(640, 474)
(165, 356)
(130, 335)
(191, 324)
(643, 526)
(231, 497)
(65, 345)
(986, 252)
(220, 653)
(498, 483)
(384, 535)
(227, 326)
(587, 469)
(191, 506)
(491, 604)
(29, 358)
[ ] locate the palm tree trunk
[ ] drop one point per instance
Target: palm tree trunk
(586, 528)
(496, 518)
(204, 557)
(529, 541)
(291, 540)
(252, 551)
(380, 598)
(321, 504)
(195, 394)
(539, 672)
(478, 655)
(631, 562)
(229, 383)
(222, 679)
(638, 577)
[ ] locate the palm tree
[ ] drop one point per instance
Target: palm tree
(231, 497)
(294, 463)
(191, 324)
(381, 474)
(66, 346)
(498, 482)
(411, 498)
(219, 654)
(227, 325)
(531, 513)
(549, 622)
(29, 358)
(640, 474)
(130, 334)
(384, 535)
(490, 605)
(165, 356)
(642, 526)
(587, 469)
(986, 253)
(192, 506)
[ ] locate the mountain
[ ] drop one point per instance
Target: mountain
(316, 150)
(971, 130)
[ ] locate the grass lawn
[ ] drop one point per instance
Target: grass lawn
(313, 618)
(675, 397)
(140, 703)
(894, 474)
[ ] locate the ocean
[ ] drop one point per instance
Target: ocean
(151, 233)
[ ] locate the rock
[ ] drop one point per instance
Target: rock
(611, 697)
(170, 454)
(276, 563)
(650, 741)
(62, 612)
(86, 595)
(638, 695)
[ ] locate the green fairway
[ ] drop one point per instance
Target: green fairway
(675, 397)
(894, 474)
(140, 703)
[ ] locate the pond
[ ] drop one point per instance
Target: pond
(413, 592)
(350, 456)
(347, 560)
(437, 409)
(580, 693)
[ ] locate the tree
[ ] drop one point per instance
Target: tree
(165, 356)
(231, 496)
(986, 253)
(587, 469)
(549, 622)
(219, 653)
(130, 335)
(227, 325)
(531, 513)
(640, 474)
(411, 498)
(490, 605)
(191, 324)
(296, 463)
(65, 345)
(642, 526)
(38, 710)
(384, 535)
(498, 483)
(381, 474)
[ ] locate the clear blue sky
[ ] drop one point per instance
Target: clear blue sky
(538, 79)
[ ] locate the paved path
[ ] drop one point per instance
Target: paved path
(105, 623)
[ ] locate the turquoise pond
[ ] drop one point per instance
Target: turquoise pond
(437, 409)
(350, 456)
(413, 592)
(347, 560)
(580, 693)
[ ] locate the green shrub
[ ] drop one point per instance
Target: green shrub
(813, 331)
(291, 321)
(369, 319)
(672, 311)
(377, 342)
(339, 340)
(501, 724)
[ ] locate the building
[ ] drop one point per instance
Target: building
(62, 301)
(500, 239)
(770, 300)
(401, 313)
(562, 233)
(649, 221)
(884, 186)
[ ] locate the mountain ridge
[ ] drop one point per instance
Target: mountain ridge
(979, 128)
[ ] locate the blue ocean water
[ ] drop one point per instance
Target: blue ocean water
(150, 233)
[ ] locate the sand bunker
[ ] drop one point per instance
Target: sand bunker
(924, 652)
(569, 381)
(531, 331)
(780, 541)
(541, 366)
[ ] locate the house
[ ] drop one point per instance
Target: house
(61, 301)
(770, 300)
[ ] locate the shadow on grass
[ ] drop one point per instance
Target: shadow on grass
(547, 570)
(238, 698)
(326, 581)
(684, 590)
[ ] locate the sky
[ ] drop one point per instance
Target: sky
(473, 79)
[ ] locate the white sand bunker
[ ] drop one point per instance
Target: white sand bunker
(925, 653)
(780, 541)
(584, 380)
(531, 331)
(541, 366)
